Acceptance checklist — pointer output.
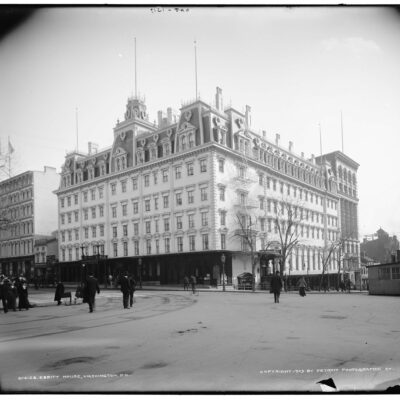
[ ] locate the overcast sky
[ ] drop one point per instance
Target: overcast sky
(296, 68)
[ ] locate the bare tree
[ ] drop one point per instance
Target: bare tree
(247, 233)
(287, 223)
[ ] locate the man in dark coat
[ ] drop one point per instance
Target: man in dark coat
(276, 286)
(22, 289)
(4, 286)
(125, 289)
(59, 293)
(92, 287)
(132, 284)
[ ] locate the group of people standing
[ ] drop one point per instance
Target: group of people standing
(192, 282)
(10, 290)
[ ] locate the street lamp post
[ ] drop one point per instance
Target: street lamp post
(223, 271)
(140, 272)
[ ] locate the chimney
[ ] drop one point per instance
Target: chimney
(291, 147)
(169, 115)
(218, 99)
(248, 116)
(277, 138)
(159, 115)
(264, 133)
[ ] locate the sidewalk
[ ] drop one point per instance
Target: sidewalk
(44, 297)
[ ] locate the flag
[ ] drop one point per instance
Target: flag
(10, 148)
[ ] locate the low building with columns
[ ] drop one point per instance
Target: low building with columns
(28, 211)
(168, 199)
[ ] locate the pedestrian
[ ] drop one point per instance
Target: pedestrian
(132, 284)
(4, 286)
(185, 283)
(125, 289)
(348, 285)
(276, 286)
(22, 289)
(92, 286)
(193, 283)
(59, 292)
(302, 286)
(12, 294)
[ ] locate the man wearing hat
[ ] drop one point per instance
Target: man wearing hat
(92, 287)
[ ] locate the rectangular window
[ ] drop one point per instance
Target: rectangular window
(190, 169)
(147, 205)
(125, 230)
(101, 211)
(86, 230)
(148, 246)
(261, 179)
(62, 203)
(204, 218)
(178, 172)
(75, 199)
(148, 227)
(114, 212)
(191, 220)
(147, 180)
(76, 253)
(157, 246)
(134, 184)
(165, 175)
(167, 245)
(93, 194)
(179, 241)
(113, 189)
(135, 207)
(396, 273)
(76, 234)
(192, 243)
(123, 186)
(190, 197)
(223, 241)
(261, 204)
(124, 210)
(85, 214)
(166, 201)
(114, 231)
(69, 201)
(155, 178)
(221, 165)
(125, 249)
(203, 194)
(115, 249)
(136, 247)
(93, 212)
(136, 229)
(222, 194)
(156, 203)
(205, 241)
(69, 217)
(93, 232)
(100, 193)
(203, 165)
(156, 227)
(178, 222)
(166, 224)
(178, 199)
(101, 230)
(223, 218)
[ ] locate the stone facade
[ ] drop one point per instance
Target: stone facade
(29, 210)
(176, 190)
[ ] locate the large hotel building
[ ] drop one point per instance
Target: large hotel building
(167, 199)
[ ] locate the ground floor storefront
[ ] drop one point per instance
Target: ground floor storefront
(210, 269)
(16, 266)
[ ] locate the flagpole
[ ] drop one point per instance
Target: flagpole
(135, 73)
(341, 125)
(195, 65)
